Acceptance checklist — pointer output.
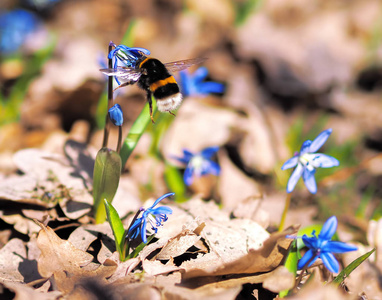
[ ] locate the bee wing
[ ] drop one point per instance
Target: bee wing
(180, 65)
(123, 73)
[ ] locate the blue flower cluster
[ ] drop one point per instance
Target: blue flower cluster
(154, 216)
(322, 247)
(307, 161)
(199, 164)
(126, 56)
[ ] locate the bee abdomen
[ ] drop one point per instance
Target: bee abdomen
(169, 103)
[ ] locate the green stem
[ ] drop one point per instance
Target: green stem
(110, 100)
(119, 145)
(136, 131)
(286, 208)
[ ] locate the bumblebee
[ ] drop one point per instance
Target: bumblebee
(155, 78)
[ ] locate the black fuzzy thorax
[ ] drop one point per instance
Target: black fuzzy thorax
(155, 71)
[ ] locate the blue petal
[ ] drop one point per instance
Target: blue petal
(161, 198)
(188, 154)
(324, 161)
(200, 74)
(330, 262)
(329, 228)
(305, 148)
(339, 247)
(143, 231)
(307, 257)
(188, 176)
(294, 178)
(209, 152)
(184, 83)
(320, 140)
(210, 167)
(310, 242)
(134, 229)
(209, 87)
(162, 210)
(309, 180)
(290, 163)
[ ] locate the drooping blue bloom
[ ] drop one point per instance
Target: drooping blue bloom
(116, 115)
(155, 216)
(193, 84)
(15, 27)
(323, 247)
(307, 161)
(199, 164)
(126, 56)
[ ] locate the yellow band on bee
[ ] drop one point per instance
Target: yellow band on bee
(162, 82)
(143, 61)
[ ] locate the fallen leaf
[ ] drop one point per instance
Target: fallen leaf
(23, 291)
(280, 280)
(58, 255)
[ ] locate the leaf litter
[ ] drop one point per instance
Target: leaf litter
(205, 250)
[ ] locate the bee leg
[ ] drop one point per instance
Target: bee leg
(151, 106)
(172, 114)
(122, 85)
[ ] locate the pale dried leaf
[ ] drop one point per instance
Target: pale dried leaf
(265, 259)
(280, 280)
(58, 255)
(179, 244)
(23, 291)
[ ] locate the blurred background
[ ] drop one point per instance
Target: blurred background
(290, 70)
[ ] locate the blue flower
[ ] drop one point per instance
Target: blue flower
(307, 161)
(126, 56)
(199, 164)
(155, 216)
(15, 27)
(323, 247)
(116, 115)
(193, 85)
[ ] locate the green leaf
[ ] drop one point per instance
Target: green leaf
(136, 131)
(107, 171)
(291, 264)
(350, 268)
(175, 183)
(117, 227)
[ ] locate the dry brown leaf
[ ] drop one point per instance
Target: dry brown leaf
(23, 291)
(179, 244)
(24, 189)
(60, 258)
(123, 268)
(15, 266)
(58, 254)
(206, 293)
(21, 224)
(56, 180)
(265, 259)
(154, 268)
(280, 280)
